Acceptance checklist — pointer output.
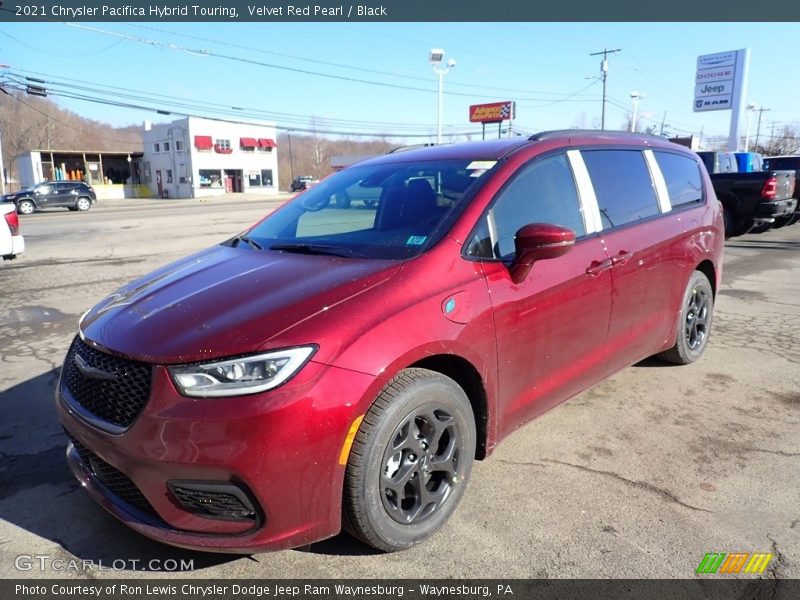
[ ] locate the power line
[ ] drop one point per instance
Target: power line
(344, 66)
(203, 52)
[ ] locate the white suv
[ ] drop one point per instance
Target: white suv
(11, 241)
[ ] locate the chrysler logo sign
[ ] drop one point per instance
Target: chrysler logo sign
(93, 372)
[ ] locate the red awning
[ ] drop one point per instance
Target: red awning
(265, 143)
(203, 142)
(248, 142)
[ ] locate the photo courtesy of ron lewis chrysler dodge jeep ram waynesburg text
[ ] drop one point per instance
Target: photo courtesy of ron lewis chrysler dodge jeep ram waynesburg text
(343, 366)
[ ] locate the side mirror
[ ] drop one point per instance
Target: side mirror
(538, 241)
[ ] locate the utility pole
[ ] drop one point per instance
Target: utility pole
(663, 122)
(761, 112)
(604, 71)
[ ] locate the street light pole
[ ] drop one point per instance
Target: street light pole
(604, 71)
(749, 109)
(635, 96)
(436, 57)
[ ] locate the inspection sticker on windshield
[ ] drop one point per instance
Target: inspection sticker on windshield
(416, 240)
(480, 167)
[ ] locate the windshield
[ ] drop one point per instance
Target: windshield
(387, 211)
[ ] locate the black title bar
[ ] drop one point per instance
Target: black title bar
(266, 11)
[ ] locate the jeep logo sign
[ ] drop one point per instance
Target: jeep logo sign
(717, 88)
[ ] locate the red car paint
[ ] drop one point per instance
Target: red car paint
(526, 346)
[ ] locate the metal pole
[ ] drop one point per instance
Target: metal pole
(633, 117)
(2, 168)
(439, 107)
(761, 112)
(747, 133)
(291, 158)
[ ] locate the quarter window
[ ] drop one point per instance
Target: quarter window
(622, 184)
(543, 191)
(682, 176)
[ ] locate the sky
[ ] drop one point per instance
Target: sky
(374, 78)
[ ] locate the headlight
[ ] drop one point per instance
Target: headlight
(238, 376)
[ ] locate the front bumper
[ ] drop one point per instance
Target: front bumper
(281, 447)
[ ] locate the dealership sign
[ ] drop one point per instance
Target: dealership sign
(491, 113)
(715, 81)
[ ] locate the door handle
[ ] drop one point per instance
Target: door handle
(621, 258)
(598, 266)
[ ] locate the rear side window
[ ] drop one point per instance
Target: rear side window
(543, 191)
(622, 184)
(682, 176)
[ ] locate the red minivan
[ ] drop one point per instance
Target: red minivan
(342, 363)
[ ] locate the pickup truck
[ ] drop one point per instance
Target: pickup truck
(787, 163)
(11, 241)
(751, 201)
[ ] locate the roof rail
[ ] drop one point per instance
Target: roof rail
(412, 147)
(546, 135)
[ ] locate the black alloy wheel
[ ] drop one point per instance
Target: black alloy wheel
(410, 461)
(694, 321)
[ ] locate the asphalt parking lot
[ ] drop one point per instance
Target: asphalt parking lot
(638, 477)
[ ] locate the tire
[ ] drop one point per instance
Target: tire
(694, 322)
(735, 226)
(420, 420)
(83, 203)
(783, 221)
(761, 228)
(26, 207)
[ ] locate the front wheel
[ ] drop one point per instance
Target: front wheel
(694, 322)
(410, 461)
(25, 207)
(83, 204)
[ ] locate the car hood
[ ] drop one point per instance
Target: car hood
(225, 301)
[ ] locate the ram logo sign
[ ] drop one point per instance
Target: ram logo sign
(733, 563)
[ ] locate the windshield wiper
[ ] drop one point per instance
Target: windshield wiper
(314, 249)
(243, 238)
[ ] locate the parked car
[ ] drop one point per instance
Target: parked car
(12, 243)
(330, 367)
(74, 195)
(303, 183)
(784, 163)
(751, 201)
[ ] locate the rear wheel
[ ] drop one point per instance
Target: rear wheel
(735, 226)
(410, 462)
(783, 221)
(761, 228)
(25, 207)
(83, 204)
(694, 322)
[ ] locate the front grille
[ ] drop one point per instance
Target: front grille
(117, 482)
(117, 397)
(218, 500)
